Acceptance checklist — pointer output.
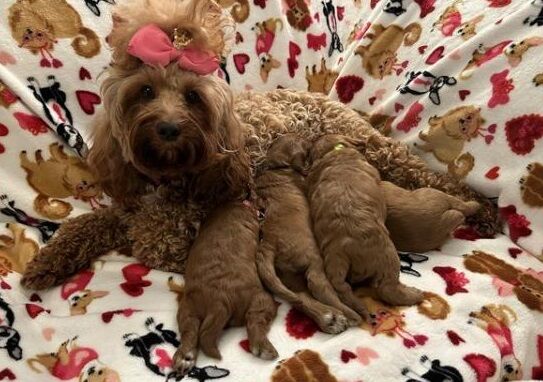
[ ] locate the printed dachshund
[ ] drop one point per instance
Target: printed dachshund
(379, 58)
(447, 136)
(73, 361)
(16, 250)
(265, 36)
(515, 51)
(37, 25)
(59, 177)
(531, 185)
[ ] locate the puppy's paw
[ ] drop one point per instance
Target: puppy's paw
(184, 362)
(333, 322)
(264, 350)
(37, 279)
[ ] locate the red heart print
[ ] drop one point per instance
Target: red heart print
(34, 297)
(260, 3)
(84, 74)
(7, 373)
(436, 55)
(239, 38)
(466, 233)
(483, 366)
(347, 87)
(514, 252)
(316, 42)
(489, 139)
(340, 13)
(3, 130)
(292, 62)
(299, 325)
(240, 60)
(463, 94)
(493, 173)
(31, 123)
(372, 100)
(108, 316)
(4, 285)
(347, 355)
(398, 107)
(134, 284)
(87, 100)
(423, 48)
(492, 128)
(34, 310)
(420, 339)
(244, 344)
(454, 337)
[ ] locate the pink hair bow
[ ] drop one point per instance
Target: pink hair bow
(151, 45)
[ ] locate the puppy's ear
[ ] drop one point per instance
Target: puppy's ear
(434, 121)
(118, 178)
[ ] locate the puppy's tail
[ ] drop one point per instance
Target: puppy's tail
(87, 44)
(210, 330)
(240, 11)
(52, 208)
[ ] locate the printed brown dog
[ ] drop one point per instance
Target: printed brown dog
(447, 136)
(422, 220)
(298, 15)
(240, 9)
(222, 287)
(531, 185)
(469, 29)
(305, 366)
(321, 81)
(380, 58)
(288, 244)
(348, 210)
(516, 50)
(16, 250)
(36, 25)
(59, 177)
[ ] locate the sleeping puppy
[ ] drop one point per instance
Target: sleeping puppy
(422, 220)
(288, 244)
(348, 210)
(222, 287)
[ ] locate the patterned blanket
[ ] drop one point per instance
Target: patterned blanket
(458, 80)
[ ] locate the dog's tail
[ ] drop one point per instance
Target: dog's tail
(240, 11)
(412, 34)
(87, 44)
(461, 166)
(52, 208)
(210, 331)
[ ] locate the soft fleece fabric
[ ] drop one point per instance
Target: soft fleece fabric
(484, 310)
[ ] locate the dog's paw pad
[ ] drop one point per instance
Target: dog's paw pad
(38, 280)
(334, 322)
(184, 362)
(264, 350)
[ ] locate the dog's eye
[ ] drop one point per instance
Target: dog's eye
(192, 97)
(147, 92)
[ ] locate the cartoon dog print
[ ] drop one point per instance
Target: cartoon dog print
(424, 82)
(527, 288)
(201, 374)
(265, 36)
(73, 361)
(304, 366)
(321, 81)
(76, 293)
(447, 136)
(435, 372)
(450, 19)
(531, 185)
(379, 58)
(515, 51)
(93, 5)
(156, 347)
(468, 29)
(59, 177)
(45, 227)
(298, 15)
(16, 250)
(496, 321)
(538, 19)
(37, 25)
(239, 9)
(481, 56)
(9, 336)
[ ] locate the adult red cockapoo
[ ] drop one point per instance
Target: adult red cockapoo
(172, 141)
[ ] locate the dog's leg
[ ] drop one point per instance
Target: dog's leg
(78, 242)
(211, 329)
(329, 320)
(324, 292)
(260, 315)
(466, 208)
(396, 293)
(336, 269)
(189, 326)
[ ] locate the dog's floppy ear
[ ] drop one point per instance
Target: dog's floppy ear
(434, 120)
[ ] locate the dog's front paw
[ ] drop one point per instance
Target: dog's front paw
(333, 322)
(184, 362)
(37, 278)
(264, 350)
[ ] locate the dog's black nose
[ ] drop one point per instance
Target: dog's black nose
(168, 131)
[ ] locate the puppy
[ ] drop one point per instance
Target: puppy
(287, 241)
(348, 210)
(422, 220)
(222, 287)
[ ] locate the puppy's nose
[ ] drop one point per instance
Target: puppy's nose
(167, 131)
